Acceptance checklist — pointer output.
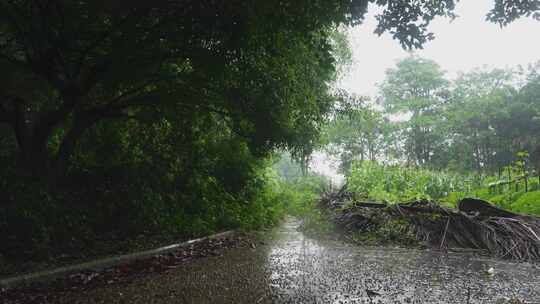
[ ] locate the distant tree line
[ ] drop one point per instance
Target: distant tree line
(476, 122)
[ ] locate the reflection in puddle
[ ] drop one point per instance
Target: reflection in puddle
(303, 270)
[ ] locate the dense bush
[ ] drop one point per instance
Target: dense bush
(528, 203)
(157, 184)
(41, 223)
(397, 184)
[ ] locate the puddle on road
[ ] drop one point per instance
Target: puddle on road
(292, 268)
(307, 270)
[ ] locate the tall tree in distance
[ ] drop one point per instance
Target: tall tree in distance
(475, 116)
(356, 132)
(416, 89)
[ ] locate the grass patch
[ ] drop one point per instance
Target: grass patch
(528, 203)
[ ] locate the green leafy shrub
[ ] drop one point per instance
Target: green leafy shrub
(528, 203)
(103, 207)
(396, 184)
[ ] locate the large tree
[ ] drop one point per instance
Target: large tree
(475, 111)
(69, 65)
(416, 90)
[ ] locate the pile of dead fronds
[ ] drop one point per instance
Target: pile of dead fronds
(475, 224)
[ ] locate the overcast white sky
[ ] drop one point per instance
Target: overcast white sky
(461, 45)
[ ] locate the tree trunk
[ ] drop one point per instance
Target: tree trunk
(61, 162)
(31, 139)
(33, 130)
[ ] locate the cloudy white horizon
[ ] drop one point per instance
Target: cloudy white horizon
(461, 45)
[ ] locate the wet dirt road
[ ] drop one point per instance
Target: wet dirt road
(291, 268)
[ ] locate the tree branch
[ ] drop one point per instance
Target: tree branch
(48, 120)
(24, 40)
(97, 42)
